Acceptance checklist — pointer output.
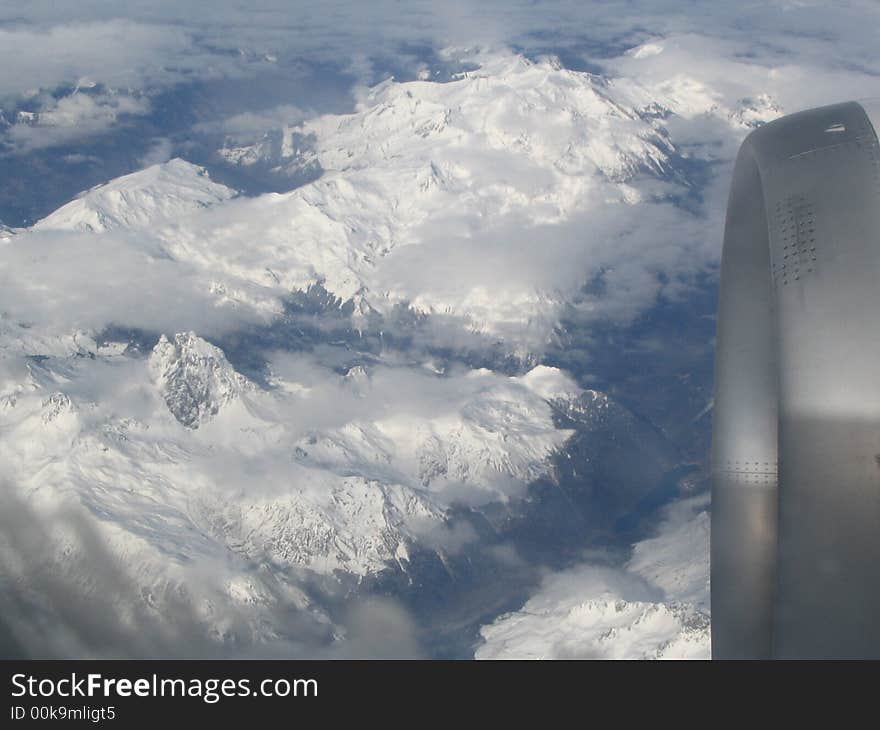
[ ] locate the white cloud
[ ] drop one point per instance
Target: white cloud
(72, 591)
(250, 125)
(58, 282)
(71, 117)
(157, 154)
(117, 53)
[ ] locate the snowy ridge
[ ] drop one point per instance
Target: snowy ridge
(161, 192)
(363, 493)
(325, 524)
(516, 143)
(676, 559)
(602, 628)
(656, 608)
(484, 446)
(207, 463)
(508, 154)
(548, 116)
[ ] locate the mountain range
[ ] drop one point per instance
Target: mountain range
(262, 410)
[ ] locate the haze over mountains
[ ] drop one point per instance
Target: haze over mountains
(428, 374)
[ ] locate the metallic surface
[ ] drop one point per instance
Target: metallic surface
(796, 434)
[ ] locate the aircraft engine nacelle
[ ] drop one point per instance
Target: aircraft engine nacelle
(796, 426)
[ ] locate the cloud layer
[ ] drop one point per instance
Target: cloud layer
(807, 53)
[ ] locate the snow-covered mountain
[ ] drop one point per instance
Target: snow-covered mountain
(516, 160)
(656, 608)
(169, 375)
(513, 153)
(148, 197)
(194, 377)
(514, 143)
(184, 457)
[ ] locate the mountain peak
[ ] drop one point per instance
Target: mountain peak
(159, 192)
(56, 407)
(194, 377)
